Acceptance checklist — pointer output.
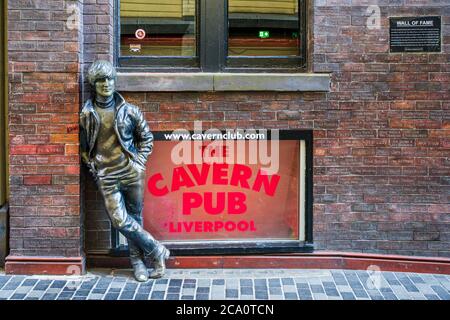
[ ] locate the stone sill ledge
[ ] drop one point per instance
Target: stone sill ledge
(175, 82)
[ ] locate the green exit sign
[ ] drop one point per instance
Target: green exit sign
(264, 34)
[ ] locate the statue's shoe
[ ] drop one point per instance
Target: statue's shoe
(140, 271)
(160, 264)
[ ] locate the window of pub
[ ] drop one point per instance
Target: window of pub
(248, 190)
(212, 35)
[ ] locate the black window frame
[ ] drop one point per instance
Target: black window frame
(211, 47)
(248, 246)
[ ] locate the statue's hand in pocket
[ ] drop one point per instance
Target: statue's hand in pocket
(92, 170)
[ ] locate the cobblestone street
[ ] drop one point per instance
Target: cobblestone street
(234, 284)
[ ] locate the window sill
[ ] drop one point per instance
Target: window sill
(171, 82)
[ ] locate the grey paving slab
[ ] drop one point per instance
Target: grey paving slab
(317, 288)
(275, 291)
(320, 296)
(230, 284)
(232, 293)
(290, 296)
(158, 295)
(401, 293)
(348, 295)
(6, 293)
(203, 282)
(218, 294)
(49, 296)
(96, 296)
(441, 292)
(188, 291)
(35, 294)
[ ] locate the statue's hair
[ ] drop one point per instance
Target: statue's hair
(101, 69)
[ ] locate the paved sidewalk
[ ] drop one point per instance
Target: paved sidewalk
(244, 284)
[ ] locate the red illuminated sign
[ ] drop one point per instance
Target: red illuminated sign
(210, 200)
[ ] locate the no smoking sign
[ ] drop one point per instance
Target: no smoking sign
(140, 34)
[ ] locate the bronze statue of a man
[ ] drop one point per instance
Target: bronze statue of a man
(115, 143)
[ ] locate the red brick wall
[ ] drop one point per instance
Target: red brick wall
(97, 44)
(44, 61)
(373, 191)
(381, 136)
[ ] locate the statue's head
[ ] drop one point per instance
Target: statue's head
(102, 76)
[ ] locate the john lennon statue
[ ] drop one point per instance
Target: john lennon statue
(115, 144)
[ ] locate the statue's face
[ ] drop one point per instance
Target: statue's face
(105, 87)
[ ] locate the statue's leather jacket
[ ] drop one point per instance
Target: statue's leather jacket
(130, 126)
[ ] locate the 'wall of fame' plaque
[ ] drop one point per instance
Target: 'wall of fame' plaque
(415, 34)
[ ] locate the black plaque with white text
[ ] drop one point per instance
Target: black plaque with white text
(415, 34)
